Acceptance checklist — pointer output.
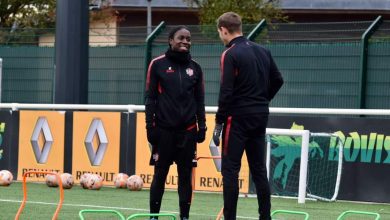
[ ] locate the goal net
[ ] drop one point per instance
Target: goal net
(303, 164)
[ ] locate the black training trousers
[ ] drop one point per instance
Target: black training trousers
(179, 147)
(247, 133)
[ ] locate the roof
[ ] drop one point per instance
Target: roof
(154, 3)
(285, 4)
(336, 4)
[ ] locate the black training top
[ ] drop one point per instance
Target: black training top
(174, 95)
(249, 79)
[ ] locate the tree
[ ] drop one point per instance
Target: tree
(27, 13)
(23, 21)
(41, 13)
(251, 11)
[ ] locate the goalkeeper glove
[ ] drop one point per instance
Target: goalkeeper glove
(201, 135)
(217, 133)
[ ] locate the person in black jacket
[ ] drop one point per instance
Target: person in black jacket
(175, 117)
(249, 81)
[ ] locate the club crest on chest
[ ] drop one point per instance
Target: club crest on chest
(170, 70)
(190, 71)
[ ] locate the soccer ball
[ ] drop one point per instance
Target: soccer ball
(5, 178)
(67, 180)
(83, 180)
(120, 180)
(94, 181)
(51, 180)
(135, 183)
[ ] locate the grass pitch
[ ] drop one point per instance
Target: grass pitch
(42, 202)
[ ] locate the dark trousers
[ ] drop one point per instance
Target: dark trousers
(178, 147)
(245, 133)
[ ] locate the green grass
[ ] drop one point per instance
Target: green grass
(205, 205)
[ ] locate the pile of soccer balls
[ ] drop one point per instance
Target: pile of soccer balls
(87, 180)
(133, 183)
(5, 178)
(66, 180)
(91, 181)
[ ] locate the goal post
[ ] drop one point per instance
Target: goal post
(337, 145)
(305, 134)
(304, 164)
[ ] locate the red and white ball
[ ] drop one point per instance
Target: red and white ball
(51, 180)
(135, 183)
(120, 180)
(6, 178)
(94, 181)
(83, 180)
(67, 180)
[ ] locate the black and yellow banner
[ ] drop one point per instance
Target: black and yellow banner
(208, 176)
(41, 143)
(366, 153)
(9, 141)
(96, 144)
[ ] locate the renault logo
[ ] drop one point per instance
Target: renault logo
(41, 127)
(96, 128)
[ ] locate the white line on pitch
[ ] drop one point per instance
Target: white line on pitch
(107, 207)
(76, 205)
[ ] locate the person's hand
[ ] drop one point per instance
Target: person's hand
(201, 134)
(153, 135)
(217, 133)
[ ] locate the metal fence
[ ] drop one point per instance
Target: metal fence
(321, 63)
(314, 32)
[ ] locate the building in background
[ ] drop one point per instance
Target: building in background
(130, 25)
(335, 10)
(173, 12)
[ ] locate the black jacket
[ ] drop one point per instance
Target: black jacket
(249, 79)
(174, 97)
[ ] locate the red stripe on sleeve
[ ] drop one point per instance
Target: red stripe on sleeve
(149, 71)
(222, 62)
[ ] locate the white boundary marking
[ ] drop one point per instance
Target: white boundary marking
(109, 207)
(75, 205)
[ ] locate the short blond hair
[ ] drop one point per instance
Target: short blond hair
(231, 21)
